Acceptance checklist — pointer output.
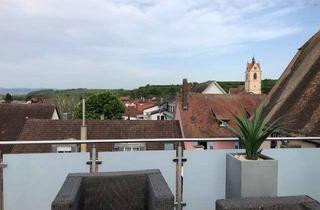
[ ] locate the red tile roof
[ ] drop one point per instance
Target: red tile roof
(237, 90)
(296, 95)
(200, 87)
(14, 116)
(132, 112)
(97, 129)
(141, 106)
(200, 119)
(250, 65)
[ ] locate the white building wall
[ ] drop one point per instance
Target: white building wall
(55, 115)
(156, 116)
(214, 88)
(151, 109)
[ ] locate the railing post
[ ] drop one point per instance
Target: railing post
(94, 162)
(2, 166)
(1, 189)
(178, 177)
(94, 159)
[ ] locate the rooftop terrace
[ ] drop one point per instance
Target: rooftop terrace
(31, 181)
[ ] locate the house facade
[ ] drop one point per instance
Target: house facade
(151, 111)
(135, 109)
(161, 111)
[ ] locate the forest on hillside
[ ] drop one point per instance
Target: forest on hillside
(148, 91)
(266, 85)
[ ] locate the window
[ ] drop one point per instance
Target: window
(203, 144)
(255, 76)
(210, 145)
(223, 123)
(162, 117)
(168, 146)
(238, 145)
(129, 147)
(171, 108)
(64, 149)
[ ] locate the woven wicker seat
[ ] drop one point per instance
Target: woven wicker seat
(115, 190)
(272, 203)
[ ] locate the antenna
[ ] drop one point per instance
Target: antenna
(83, 112)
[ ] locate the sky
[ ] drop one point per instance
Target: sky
(130, 43)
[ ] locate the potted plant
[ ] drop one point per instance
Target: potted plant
(251, 174)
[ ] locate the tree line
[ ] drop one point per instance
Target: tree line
(69, 101)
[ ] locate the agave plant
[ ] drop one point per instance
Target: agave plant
(253, 132)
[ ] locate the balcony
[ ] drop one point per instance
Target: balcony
(31, 181)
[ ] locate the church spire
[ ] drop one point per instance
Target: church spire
(253, 60)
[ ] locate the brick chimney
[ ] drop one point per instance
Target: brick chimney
(185, 94)
(83, 130)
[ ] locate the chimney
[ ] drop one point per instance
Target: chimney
(185, 94)
(65, 116)
(83, 132)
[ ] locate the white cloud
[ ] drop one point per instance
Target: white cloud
(104, 30)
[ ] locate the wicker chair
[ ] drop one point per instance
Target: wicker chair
(279, 203)
(115, 190)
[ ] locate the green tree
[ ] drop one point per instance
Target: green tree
(267, 85)
(66, 103)
(8, 98)
(106, 104)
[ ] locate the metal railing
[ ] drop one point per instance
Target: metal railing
(179, 160)
(172, 140)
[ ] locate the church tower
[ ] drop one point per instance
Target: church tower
(253, 77)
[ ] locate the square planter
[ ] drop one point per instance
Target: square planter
(251, 178)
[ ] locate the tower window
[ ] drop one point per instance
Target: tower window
(255, 76)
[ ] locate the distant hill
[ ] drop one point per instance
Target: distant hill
(16, 91)
(163, 91)
(76, 92)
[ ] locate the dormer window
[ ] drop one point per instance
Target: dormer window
(223, 123)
